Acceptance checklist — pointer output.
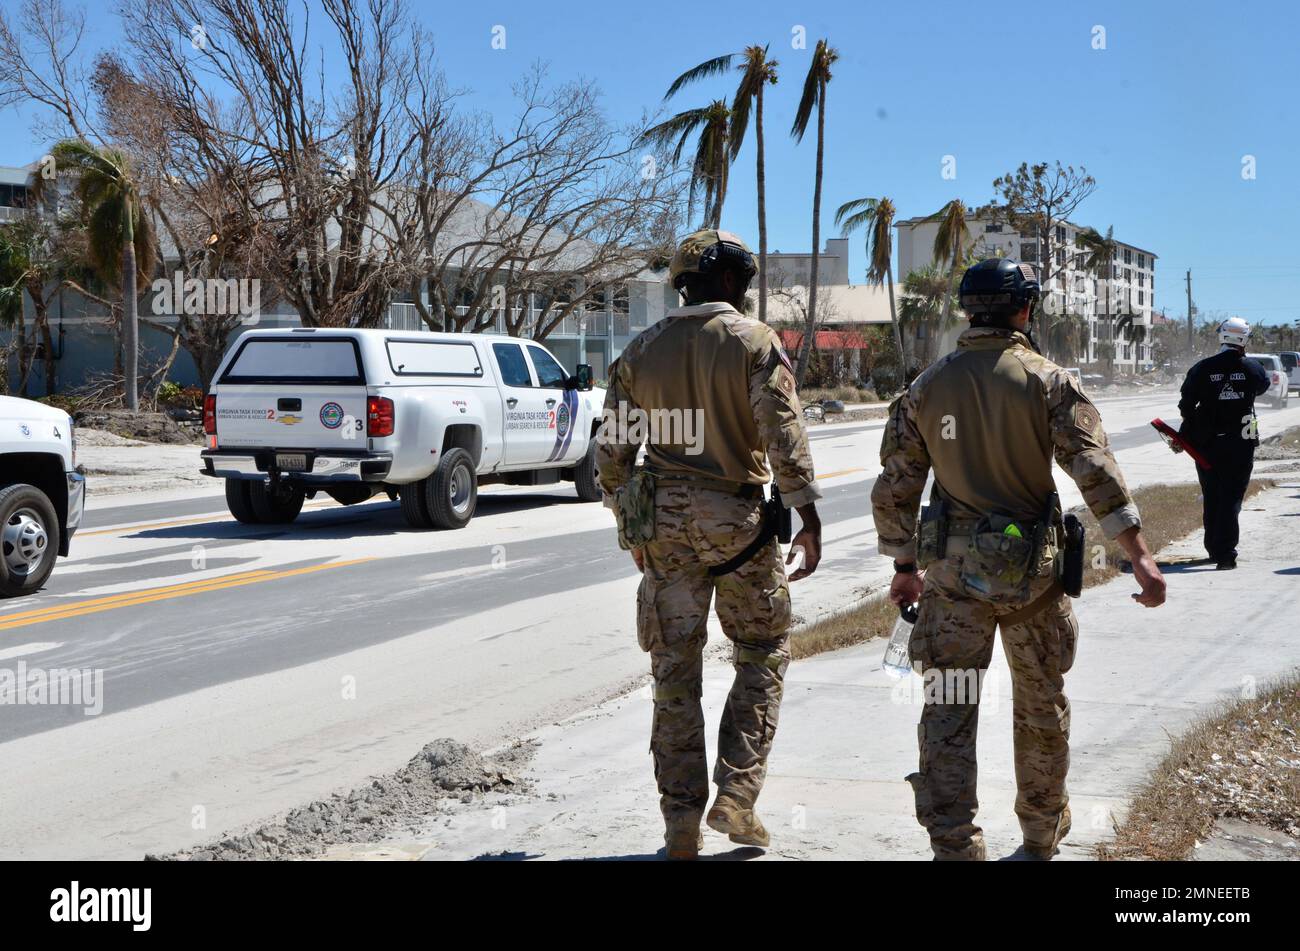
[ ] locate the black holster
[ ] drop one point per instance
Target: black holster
(1071, 576)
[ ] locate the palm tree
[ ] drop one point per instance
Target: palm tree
(1098, 254)
(950, 243)
(756, 71)
(814, 96)
(927, 303)
(1068, 335)
(876, 216)
(709, 167)
(119, 234)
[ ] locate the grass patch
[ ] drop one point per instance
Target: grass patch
(849, 394)
(1169, 512)
(871, 618)
(1240, 762)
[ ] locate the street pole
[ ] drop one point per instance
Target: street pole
(1191, 353)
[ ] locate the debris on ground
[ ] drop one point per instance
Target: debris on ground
(144, 426)
(442, 775)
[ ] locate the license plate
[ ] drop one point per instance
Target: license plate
(291, 461)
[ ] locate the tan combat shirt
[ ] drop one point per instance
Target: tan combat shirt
(988, 418)
(726, 377)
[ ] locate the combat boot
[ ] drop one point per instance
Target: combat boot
(683, 841)
(738, 822)
(1044, 853)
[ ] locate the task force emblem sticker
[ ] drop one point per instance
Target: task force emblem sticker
(331, 415)
(562, 420)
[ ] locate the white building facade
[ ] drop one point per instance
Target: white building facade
(1129, 289)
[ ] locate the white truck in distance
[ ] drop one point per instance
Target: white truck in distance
(41, 493)
(427, 417)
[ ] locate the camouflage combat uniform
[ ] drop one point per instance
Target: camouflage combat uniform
(708, 507)
(988, 418)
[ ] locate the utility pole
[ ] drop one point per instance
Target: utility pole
(1191, 353)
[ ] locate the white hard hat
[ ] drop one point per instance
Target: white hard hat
(1234, 331)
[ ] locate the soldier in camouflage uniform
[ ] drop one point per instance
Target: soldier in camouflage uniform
(988, 418)
(707, 362)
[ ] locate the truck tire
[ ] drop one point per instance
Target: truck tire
(415, 504)
(276, 508)
(584, 476)
(452, 491)
(238, 501)
(29, 539)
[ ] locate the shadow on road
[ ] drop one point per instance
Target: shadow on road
(366, 520)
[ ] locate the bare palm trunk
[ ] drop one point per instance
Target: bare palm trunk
(24, 354)
(893, 319)
(720, 179)
(130, 320)
(806, 350)
(47, 344)
(762, 208)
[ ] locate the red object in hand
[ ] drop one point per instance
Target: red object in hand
(1174, 440)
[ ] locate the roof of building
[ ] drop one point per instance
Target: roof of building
(792, 340)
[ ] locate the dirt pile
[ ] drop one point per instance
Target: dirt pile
(143, 426)
(442, 774)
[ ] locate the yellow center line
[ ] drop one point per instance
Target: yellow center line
(842, 472)
(149, 595)
(110, 598)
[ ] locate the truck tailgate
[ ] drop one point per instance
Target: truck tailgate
(308, 416)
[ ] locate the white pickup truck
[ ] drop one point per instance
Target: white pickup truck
(427, 417)
(41, 493)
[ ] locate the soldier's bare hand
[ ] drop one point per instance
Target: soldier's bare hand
(906, 587)
(638, 556)
(1148, 576)
(810, 540)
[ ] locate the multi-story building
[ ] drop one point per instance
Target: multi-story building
(1129, 289)
(785, 269)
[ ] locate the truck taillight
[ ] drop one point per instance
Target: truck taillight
(379, 416)
(210, 414)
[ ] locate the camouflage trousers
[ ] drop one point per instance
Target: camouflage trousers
(953, 636)
(696, 528)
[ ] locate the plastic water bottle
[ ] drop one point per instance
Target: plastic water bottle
(897, 662)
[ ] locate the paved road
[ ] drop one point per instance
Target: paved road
(222, 645)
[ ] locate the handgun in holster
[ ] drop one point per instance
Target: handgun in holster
(1071, 572)
(780, 516)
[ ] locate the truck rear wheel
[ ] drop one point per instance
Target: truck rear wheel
(584, 476)
(453, 490)
(238, 501)
(279, 507)
(29, 539)
(415, 504)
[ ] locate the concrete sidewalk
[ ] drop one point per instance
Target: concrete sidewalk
(848, 733)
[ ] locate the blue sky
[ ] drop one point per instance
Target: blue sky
(1162, 117)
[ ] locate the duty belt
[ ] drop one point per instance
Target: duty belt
(744, 490)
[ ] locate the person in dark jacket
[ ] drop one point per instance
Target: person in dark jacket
(1218, 409)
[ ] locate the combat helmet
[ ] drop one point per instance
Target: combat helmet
(701, 252)
(996, 286)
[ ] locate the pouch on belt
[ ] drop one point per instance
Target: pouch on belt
(634, 509)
